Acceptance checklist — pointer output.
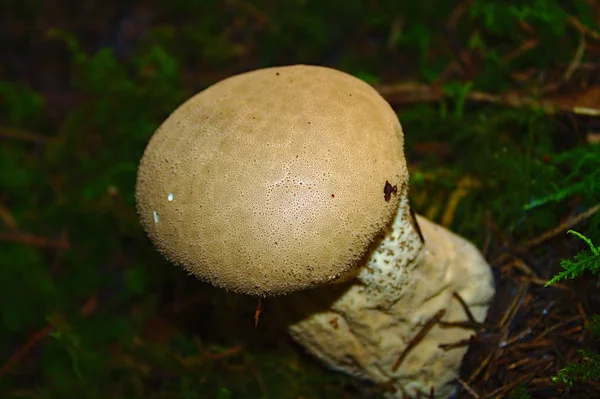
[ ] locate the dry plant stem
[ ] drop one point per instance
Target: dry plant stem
(584, 30)
(577, 58)
(87, 309)
(387, 324)
(459, 344)
(411, 92)
(539, 281)
(467, 388)
(22, 135)
(419, 337)
(465, 307)
(502, 391)
(566, 225)
(25, 349)
(525, 47)
(29, 239)
(7, 217)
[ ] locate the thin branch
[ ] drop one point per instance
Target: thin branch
(566, 225)
(412, 92)
(38, 241)
(22, 135)
(419, 337)
(576, 23)
(577, 58)
(465, 307)
(86, 309)
(468, 388)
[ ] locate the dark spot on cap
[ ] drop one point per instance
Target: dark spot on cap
(388, 190)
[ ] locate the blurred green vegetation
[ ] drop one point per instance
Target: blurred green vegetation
(107, 316)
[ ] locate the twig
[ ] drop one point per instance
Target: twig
(463, 186)
(467, 325)
(16, 134)
(539, 281)
(559, 325)
(525, 47)
(87, 309)
(514, 306)
(576, 61)
(419, 337)
(38, 241)
(498, 393)
(529, 363)
(7, 217)
(454, 345)
(486, 361)
(215, 355)
(528, 331)
(468, 388)
(395, 32)
(465, 307)
(582, 313)
(576, 23)
(223, 354)
(520, 265)
(566, 225)
(25, 349)
(457, 13)
(411, 92)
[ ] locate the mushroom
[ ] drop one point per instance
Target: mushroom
(291, 178)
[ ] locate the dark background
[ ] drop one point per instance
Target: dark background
(485, 91)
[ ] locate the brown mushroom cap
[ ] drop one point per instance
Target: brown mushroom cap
(273, 180)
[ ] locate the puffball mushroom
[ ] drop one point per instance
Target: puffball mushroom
(288, 178)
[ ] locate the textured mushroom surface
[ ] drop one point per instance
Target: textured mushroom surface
(403, 284)
(272, 181)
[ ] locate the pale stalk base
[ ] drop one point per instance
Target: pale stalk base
(403, 285)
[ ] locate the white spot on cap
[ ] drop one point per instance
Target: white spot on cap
(155, 216)
(170, 197)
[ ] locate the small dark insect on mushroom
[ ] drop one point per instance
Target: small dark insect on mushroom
(388, 190)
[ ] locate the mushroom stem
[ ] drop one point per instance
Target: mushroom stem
(378, 330)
